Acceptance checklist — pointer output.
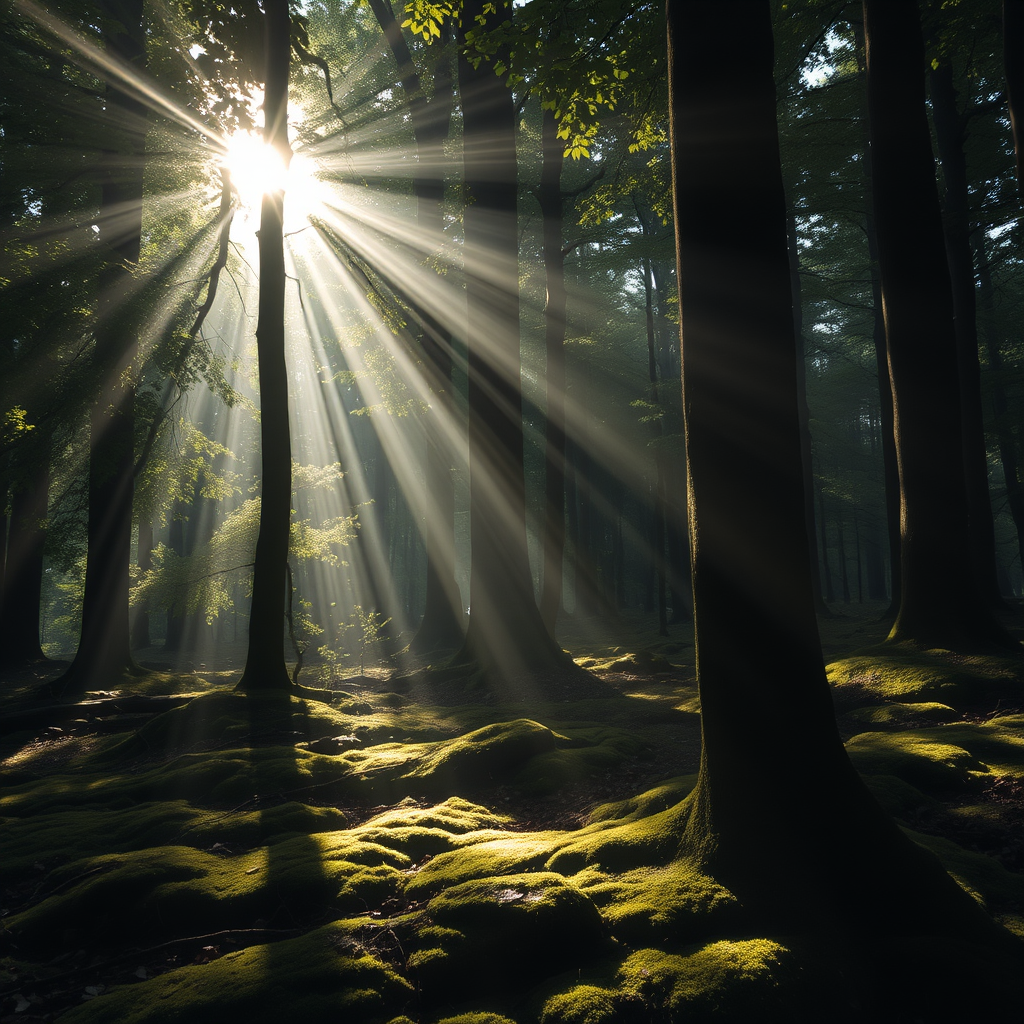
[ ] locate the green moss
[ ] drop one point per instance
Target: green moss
(651, 801)
(319, 976)
(173, 890)
(903, 673)
(584, 753)
(481, 855)
(917, 757)
(737, 981)
(904, 714)
(72, 834)
(899, 798)
(421, 832)
(476, 1018)
(504, 930)
(582, 1004)
(652, 905)
(621, 845)
(985, 878)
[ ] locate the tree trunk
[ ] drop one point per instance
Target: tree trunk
(549, 196)
(140, 626)
(1013, 67)
(264, 662)
(806, 449)
(890, 467)
(774, 776)
(441, 627)
(23, 571)
(506, 635)
(940, 603)
(950, 135)
(1008, 449)
(104, 650)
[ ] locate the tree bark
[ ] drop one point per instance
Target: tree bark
(104, 650)
(806, 449)
(950, 135)
(506, 635)
(140, 626)
(549, 197)
(774, 776)
(940, 603)
(23, 571)
(264, 664)
(1013, 68)
(441, 626)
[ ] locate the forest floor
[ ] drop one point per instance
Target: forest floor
(403, 850)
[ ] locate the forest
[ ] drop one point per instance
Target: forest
(511, 511)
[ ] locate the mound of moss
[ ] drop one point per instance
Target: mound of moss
(323, 975)
(502, 931)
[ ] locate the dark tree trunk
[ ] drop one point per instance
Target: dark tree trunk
(806, 450)
(441, 627)
(659, 460)
(830, 594)
(1008, 450)
(940, 602)
(1013, 67)
(23, 571)
(774, 776)
(174, 634)
(506, 635)
(264, 662)
(890, 465)
(549, 197)
(950, 134)
(104, 650)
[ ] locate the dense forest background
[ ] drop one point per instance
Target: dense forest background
(360, 276)
(381, 631)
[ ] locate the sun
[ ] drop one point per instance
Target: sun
(255, 168)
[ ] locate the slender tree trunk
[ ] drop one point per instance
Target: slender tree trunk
(506, 635)
(441, 627)
(806, 450)
(549, 197)
(1008, 450)
(104, 650)
(140, 626)
(890, 466)
(830, 594)
(20, 607)
(659, 493)
(1013, 67)
(774, 775)
(264, 662)
(940, 602)
(950, 134)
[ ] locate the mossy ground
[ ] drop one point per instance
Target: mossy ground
(390, 855)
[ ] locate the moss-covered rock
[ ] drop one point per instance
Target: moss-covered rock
(917, 757)
(728, 981)
(675, 903)
(503, 931)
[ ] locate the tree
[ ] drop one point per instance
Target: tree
(441, 627)
(506, 634)
(264, 663)
(940, 602)
(774, 777)
(104, 651)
